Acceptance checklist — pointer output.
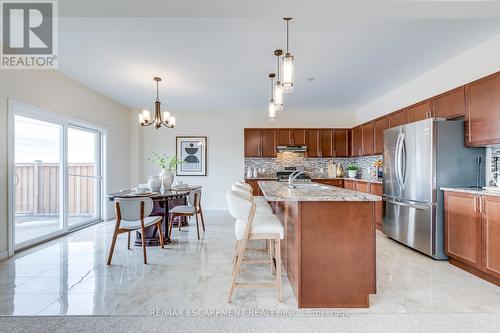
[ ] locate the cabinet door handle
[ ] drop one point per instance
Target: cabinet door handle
(475, 204)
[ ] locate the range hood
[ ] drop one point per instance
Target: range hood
(295, 149)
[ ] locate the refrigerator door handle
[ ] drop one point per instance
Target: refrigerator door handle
(397, 161)
(408, 204)
(403, 159)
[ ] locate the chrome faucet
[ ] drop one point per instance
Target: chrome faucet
(292, 177)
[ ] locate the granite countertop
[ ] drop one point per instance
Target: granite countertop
(484, 191)
(276, 191)
(369, 180)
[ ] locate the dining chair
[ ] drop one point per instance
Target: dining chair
(192, 209)
(250, 226)
(134, 214)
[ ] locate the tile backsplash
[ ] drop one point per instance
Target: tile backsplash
(495, 162)
(267, 167)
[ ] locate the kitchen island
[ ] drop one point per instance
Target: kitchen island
(329, 245)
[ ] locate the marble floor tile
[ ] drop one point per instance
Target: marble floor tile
(69, 276)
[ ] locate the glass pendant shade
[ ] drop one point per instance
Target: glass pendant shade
(171, 121)
(287, 73)
(141, 119)
(146, 116)
(272, 109)
(278, 96)
(166, 116)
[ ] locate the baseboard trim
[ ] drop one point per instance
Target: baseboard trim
(4, 255)
(475, 271)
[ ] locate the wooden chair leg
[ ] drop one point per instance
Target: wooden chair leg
(179, 223)
(237, 269)
(235, 254)
(197, 226)
(202, 221)
(144, 244)
(160, 234)
(112, 248)
(170, 223)
(128, 240)
(270, 246)
(277, 245)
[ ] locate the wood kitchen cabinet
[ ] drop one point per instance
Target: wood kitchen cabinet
(268, 143)
(398, 118)
(472, 233)
(377, 189)
(357, 141)
(298, 137)
(379, 126)
(350, 184)
(283, 137)
(327, 143)
(367, 139)
(253, 142)
(482, 109)
(491, 236)
(255, 186)
(419, 111)
(363, 187)
(332, 182)
(313, 143)
(341, 143)
(450, 104)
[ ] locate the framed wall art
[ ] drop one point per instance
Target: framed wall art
(192, 150)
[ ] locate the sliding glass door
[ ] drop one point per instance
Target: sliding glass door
(56, 175)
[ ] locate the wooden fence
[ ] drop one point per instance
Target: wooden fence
(37, 189)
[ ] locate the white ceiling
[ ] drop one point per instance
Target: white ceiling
(216, 55)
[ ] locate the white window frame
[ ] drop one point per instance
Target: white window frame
(16, 107)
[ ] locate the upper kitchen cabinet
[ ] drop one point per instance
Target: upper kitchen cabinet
(268, 142)
(482, 110)
(450, 104)
(398, 118)
(253, 142)
(298, 137)
(379, 126)
(341, 141)
(367, 141)
(283, 136)
(357, 141)
(419, 111)
(326, 140)
(312, 143)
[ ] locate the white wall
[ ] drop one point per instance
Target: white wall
(58, 93)
(473, 64)
(225, 143)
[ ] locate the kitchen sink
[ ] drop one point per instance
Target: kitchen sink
(308, 186)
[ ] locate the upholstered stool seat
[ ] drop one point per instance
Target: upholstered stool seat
(262, 224)
(136, 224)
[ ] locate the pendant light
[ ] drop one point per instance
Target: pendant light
(160, 119)
(272, 105)
(278, 88)
(287, 64)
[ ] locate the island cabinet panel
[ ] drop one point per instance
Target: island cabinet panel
(419, 111)
(357, 141)
(253, 142)
(343, 275)
(491, 236)
(341, 140)
(377, 189)
(463, 228)
(255, 186)
(398, 118)
(482, 110)
(363, 187)
(268, 142)
(379, 126)
(326, 142)
(284, 137)
(312, 143)
(450, 104)
(367, 141)
(298, 137)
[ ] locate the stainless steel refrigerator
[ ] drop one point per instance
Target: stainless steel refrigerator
(419, 158)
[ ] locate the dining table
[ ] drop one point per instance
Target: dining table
(161, 198)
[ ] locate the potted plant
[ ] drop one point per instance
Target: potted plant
(167, 165)
(352, 170)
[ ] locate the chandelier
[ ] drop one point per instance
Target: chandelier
(159, 119)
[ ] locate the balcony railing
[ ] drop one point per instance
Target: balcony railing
(37, 189)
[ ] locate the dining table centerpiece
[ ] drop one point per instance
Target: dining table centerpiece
(167, 165)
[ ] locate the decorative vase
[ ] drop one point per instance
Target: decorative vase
(154, 183)
(167, 178)
(352, 173)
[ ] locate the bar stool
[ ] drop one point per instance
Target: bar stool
(250, 226)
